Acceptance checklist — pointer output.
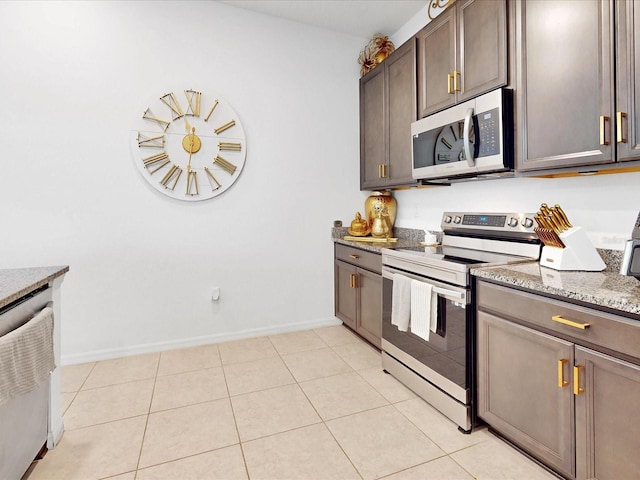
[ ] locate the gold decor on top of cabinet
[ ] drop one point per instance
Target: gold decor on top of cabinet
(436, 4)
(374, 53)
(466, 47)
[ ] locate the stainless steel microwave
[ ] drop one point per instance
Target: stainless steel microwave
(465, 141)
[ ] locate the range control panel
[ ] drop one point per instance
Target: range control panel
(465, 222)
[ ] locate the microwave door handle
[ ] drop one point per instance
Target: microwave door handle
(466, 142)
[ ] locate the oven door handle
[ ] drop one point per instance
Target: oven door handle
(450, 293)
(459, 295)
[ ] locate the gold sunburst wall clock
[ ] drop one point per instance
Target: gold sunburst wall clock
(189, 145)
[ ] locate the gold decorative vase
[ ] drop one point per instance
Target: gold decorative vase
(380, 210)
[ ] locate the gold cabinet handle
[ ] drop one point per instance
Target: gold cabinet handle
(561, 381)
(379, 170)
(354, 256)
(456, 81)
(577, 389)
(354, 281)
(603, 120)
(620, 137)
(384, 170)
(449, 87)
(571, 323)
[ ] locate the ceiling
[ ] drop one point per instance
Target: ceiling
(362, 18)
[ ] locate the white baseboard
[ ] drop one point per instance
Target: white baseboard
(129, 350)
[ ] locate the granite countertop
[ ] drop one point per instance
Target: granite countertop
(17, 282)
(407, 238)
(607, 289)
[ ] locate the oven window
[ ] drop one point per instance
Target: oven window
(446, 350)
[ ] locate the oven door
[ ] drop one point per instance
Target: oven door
(445, 359)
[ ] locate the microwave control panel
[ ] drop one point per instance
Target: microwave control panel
(488, 132)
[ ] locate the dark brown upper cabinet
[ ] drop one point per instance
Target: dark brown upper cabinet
(462, 53)
(572, 113)
(387, 109)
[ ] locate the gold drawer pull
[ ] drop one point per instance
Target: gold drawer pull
(354, 256)
(456, 83)
(603, 140)
(577, 389)
(620, 137)
(561, 381)
(571, 323)
(449, 87)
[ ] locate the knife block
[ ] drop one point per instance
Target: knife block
(579, 253)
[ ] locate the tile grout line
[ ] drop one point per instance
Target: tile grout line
(233, 413)
(146, 423)
(322, 420)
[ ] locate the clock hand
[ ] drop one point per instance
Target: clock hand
(191, 142)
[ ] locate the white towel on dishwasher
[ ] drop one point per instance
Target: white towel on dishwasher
(26, 356)
(424, 309)
(401, 302)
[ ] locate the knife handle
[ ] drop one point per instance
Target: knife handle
(559, 219)
(553, 221)
(563, 215)
(540, 220)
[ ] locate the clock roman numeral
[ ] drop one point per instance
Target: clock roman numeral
(446, 143)
(213, 107)
(173, 174)
(224, 127)
(226, 165)
(160, 159)
(147, 115)
(150, 142)
(193, 102)
(170, 100)
(192, 183)
(212, 179)
(230, 146)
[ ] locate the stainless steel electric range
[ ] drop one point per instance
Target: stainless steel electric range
(440, 366)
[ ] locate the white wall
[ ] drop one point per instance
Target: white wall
(606, 206)
(75, 79)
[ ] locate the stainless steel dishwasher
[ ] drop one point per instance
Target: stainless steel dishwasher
(23, 419)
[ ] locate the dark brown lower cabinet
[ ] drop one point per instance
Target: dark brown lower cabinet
(518, 394)
(607, 436)
(543, 384)
(358, 291)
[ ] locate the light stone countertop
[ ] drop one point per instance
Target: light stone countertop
(18, 282)
(407, 238)
(606, 290)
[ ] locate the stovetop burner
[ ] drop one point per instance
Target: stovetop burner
(470, 240)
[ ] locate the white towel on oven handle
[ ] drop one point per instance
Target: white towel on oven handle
(401, 302)
(424, 309)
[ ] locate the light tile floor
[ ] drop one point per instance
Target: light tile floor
(313, 404)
